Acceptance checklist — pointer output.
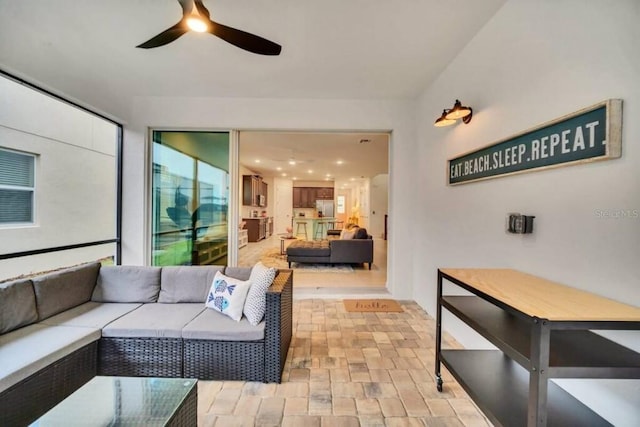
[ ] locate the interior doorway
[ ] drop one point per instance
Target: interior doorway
(348, 169)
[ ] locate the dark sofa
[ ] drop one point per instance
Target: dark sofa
(333, 251)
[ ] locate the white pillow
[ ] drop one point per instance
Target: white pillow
(256, 303)
(347, 234)
(227, 295)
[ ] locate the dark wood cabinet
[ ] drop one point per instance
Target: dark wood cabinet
(305, 197)
(254, 191)
(256, 228)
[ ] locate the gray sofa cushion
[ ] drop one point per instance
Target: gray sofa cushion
(240, 273)
(25, 351)
(62, 290)
(213, 325)
(17, 305)
(186, 284)
(154, 321)
(310, 248)
(127, 283)
(91, 314)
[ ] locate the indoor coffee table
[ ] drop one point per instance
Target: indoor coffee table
(124, 401)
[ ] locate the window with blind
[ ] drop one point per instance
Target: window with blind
(17, 187)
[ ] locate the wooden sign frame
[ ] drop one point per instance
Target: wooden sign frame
(579, 137)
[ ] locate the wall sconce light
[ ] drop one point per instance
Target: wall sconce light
(450, 116)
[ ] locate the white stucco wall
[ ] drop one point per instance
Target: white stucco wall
(275, 114)
(534, 62)
(75, 192)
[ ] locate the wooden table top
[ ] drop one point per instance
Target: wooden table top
(543, 298)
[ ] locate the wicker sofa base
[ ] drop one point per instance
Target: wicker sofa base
(224, 360)
(140, 357)
(32, 397)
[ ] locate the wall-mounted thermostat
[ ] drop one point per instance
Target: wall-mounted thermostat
(519, 224)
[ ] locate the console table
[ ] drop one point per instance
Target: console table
(542, 330)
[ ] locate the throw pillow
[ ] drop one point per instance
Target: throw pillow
(256, 302)
(347, 234)
(361, 233)
(227, 295)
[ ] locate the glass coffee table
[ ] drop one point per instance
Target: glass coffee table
(125, 401)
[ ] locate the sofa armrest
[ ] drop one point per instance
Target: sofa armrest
(351, 251)
(279, 325)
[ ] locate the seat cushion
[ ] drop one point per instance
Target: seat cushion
(127, 283)
(154, 321)
(25, 351)
(65, 289)
(213, 325)
(186, 284)
(91, 314)
(315, 248)
(17, 305)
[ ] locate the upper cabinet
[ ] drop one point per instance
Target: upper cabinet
(305, 197)
(254, 191)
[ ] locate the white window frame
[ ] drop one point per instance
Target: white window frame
(32, 190)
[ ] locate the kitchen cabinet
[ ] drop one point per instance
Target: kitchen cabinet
(254, 191)
(305, 197)
(542, 330)
(257, 228)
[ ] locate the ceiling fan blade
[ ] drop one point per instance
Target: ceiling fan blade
(165, 37)
(244, 40)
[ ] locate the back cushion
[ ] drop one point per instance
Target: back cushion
(186, 284)
(241, 273)
(127, 283)
(65, 289)
(17, 305)
(361, 234)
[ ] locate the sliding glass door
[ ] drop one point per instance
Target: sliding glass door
(190, 198)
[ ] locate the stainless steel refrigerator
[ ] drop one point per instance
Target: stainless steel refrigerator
(325, 208)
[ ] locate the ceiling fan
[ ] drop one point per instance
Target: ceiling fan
(195, 16)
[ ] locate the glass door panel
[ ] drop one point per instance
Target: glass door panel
(190, 198)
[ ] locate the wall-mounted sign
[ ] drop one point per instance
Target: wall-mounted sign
(594, 133)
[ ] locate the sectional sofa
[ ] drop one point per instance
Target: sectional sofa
(59, 330)
(357, 250)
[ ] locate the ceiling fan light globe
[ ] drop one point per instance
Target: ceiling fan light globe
(197, 24)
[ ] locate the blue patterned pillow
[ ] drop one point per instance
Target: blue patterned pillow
(227, 295)
(256, 302)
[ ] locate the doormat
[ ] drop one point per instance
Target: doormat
(372, 305)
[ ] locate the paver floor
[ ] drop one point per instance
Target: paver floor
(347, 369)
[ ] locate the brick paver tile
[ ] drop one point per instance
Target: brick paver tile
(301, 420)
(440, 408)
(340, 375)
(234, 421)
(368, 407)
(247, 405)
(271, 411)
(344, 406)
(404, 422)
(296, 406)
(340, 421)
(392, 407)
(292, 389)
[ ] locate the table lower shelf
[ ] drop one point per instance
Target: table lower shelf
(500, 388)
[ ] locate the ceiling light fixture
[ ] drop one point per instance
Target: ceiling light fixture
(339, 162)
(450, 116)
(309, 171)
(196, 22)
(292, 162)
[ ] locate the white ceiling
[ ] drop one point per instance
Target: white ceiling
(346, 49)
(340, 49)
(346, 157)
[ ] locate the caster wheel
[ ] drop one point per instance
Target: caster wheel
(439, 385)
